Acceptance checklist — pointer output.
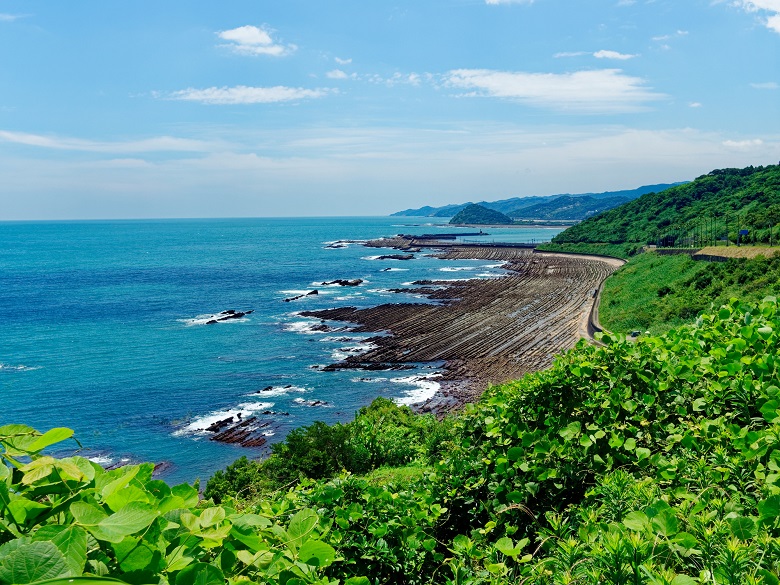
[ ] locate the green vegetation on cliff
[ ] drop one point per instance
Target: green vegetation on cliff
(658, 292)
(478, 215)
(714, 205)
(655, 462)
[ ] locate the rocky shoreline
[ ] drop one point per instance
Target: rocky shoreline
(483, 331)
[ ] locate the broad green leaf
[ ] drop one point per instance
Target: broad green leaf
(187, 493)
(357, 581)
(212, 516)
(33, 562)
(71, 541)
(133, 554)
(301, 526)
(666, 523)
(742, 527)
(768, 578)
(769, 509)
(87, 514)
(683, 580)
(49, 438)
(200, 574)
(118, 500)
(127, 474)
(515, 453)
(636, 521)
(177, 559)
(23, 510)
(571, 431)
(642, 453)
(769, 410)
(133, 518)
(317, 553)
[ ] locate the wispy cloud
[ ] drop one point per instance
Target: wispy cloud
(337, 74)
(509, 1)
(566, 54)
(157, 144)
(242, 94)
(251, 40)
(766, 85)
(743, 144)
(612, 55)
(694, 105)
(599, 91)
(343, 61)
(5, 17)
(769, 10)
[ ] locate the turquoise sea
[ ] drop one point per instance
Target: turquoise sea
(104, 328)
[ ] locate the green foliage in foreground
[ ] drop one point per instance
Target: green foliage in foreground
(752, 193)
(654, 292)
(655, 462)
(382, 435)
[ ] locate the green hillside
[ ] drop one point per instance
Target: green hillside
(567, 207)
(478, 215)
(647, 463)
(713, 206)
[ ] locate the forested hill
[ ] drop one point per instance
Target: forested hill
(722, 202)
(478, 215)
(515, 206)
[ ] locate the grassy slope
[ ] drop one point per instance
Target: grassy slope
(655, 293)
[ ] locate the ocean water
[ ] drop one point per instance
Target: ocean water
(104, 328)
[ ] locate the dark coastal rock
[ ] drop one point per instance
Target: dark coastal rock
(369, 367)
(313, 403)
(219, 425)
(162, 468)
(342, 282)
(396, 257)
(228, 315)
(308, 294)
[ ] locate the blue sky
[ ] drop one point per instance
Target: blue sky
(345, 107)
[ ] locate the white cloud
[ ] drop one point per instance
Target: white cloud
(343, 61)
(157, 144)
(336, 74)
(9, 17)
(251, 40)
(509, 2)
(769, 9)
(242, 94)
(570, 54)
(744, 144)
(694, 105)
(600, 91)
(767, 85)
(612, 55)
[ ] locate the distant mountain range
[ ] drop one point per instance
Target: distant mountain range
(550, 207)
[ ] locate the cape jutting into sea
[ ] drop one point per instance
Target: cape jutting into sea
(108, 328)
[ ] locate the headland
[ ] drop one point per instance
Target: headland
(483, 331)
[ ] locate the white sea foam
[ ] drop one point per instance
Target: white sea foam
(205, 319)
(277, 391)
(201, 423)
(19, 368)
(425, 388)
(304, 327)
(493, 265)
(101, 460)
(457, 268)
(343, 353)
(371, 257)
(395, 270)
